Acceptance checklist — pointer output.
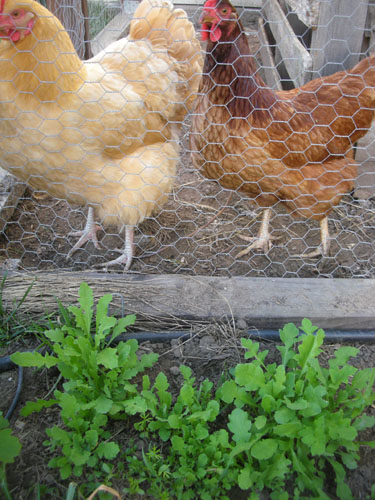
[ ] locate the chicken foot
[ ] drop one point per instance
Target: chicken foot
(87, 234)
(264, 239)
(127, 253)
(323, 248)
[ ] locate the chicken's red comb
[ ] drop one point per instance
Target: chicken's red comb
(2, 3)
(210, 4)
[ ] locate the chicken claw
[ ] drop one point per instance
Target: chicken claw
(323, 248)
(127, 253)
(264, 239)
(88, 233)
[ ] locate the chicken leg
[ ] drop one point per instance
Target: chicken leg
(264, 239)
(323, 248)
(127, 253)
(88, 233)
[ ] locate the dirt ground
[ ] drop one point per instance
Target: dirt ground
(212, 349)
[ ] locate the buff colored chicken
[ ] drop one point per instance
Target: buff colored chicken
(102, 132)
(291, 147)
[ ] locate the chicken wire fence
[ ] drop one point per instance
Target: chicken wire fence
(197, 227)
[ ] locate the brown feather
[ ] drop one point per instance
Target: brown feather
(290, 146)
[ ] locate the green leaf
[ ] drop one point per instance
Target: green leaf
(185, 372)
(315, 399)
(108, 450)
(364, 422)
(187, 394)
(288, 335)
(288, 430)
(59, 435)
(68, 404)
(252, 348)
(342, 355)
(174, 421)
(91, 437)
(161, 382)
(83, 315)
(268, 403)
(309, 348)
(122, 324)
(201, 432)
(284, 415)
(260, 421)
(65, 471)
(249, 376)
(33, 359)
(222, 438)
(103, 404)
(36, 406)
(56, 335)
(240, 425)
(202, 460)
(10, 446)
(178, 444)
(164, 434)
(315, 436)
(299, 404)
(136, 405)
(245, 478)
(212, 411)
(264, 449)
(342, 490)
(102, 313)
(108, 357)
(308, 327)
(105, 326)
(349, 460)
(228, 391)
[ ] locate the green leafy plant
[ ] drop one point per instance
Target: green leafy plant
(193, 454)
(98, 384)
(274, 426)
(291, 419)
(9, 449)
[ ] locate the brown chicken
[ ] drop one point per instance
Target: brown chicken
(292, 147)
(103, 132)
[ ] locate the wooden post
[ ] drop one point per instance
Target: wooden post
(337, 39)
(295, 57)
(69, 12)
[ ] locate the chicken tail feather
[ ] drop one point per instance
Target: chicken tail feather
(170, 29)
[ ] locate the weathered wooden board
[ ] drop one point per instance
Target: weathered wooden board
(295, 57)
(337, 42)
(70, 13)
(270, 72)
(260, 302)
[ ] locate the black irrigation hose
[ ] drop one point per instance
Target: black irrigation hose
(17, 394)
(331, 336)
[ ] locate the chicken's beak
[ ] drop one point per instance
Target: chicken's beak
(209, 22)
(207, 18)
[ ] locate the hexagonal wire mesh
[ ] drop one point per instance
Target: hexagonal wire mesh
(83, 145)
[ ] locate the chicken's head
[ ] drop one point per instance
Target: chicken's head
(16, 19)
(217, 15)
